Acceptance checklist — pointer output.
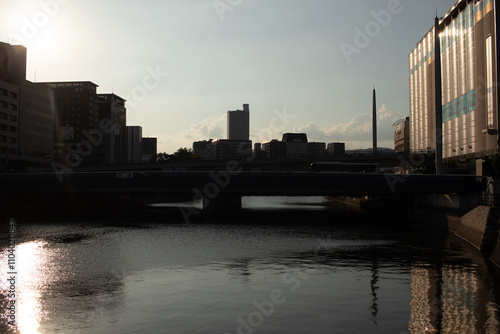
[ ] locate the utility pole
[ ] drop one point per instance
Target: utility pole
(439, 98)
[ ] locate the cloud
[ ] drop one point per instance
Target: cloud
(358, 132)
(213, 127)
(209, 128)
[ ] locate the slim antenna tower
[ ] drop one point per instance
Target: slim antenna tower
(374, 122)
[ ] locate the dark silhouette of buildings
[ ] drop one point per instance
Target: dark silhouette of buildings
(204, 149)
(63, 122)
(232, 149)
(26, 115)
(9, 125)
(296, 144)
(336, 149)
(134, 144)
(149, 149)
(274, 149)
(77, 113)
(12, 63)
(113, 150)
(316, 149)
(36, 125)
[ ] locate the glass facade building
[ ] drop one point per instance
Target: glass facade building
(468, 69)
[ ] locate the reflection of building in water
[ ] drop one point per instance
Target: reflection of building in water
(419, 305)
(450, 300)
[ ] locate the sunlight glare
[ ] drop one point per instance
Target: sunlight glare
(31, 258)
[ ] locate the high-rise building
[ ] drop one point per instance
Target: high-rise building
(12, 63)
(453, 92)
(134, 144)
(36, 126)
(76, 116)
(113, 148)
(238, 124)
(30, 115)
(9, 125)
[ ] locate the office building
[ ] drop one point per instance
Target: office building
(274, 149)
(232, 149)
(27, 121)
(402, 135)
(134, 144)
(13, 63)
(453, 73)
(316, 149)
(258, 152)
(238, 124)
(9, 126)
(296, 144)
(336, 149)
(204, 149)
(36, 127)
(149, 149)
(113, 148)
(76, 116)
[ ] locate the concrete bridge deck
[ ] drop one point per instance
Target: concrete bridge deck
(238, 183)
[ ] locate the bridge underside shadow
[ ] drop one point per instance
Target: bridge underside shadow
(222, 190)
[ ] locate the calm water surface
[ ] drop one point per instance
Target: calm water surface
(283, 265)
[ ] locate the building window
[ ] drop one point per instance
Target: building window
(489, 82)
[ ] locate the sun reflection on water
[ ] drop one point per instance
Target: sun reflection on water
(31, 275)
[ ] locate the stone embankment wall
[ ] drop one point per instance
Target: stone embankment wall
(479, 227)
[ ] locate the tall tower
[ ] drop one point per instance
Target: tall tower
(374, 122)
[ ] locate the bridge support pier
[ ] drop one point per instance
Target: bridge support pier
(222, 204)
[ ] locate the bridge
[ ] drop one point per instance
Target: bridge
(401, 159)
(224, 188)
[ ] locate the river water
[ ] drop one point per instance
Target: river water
(282, 265)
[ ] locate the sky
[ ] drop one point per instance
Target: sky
(302, 65)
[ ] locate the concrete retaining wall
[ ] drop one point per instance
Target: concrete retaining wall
(472, 226)
(480, 227)
(495, 256)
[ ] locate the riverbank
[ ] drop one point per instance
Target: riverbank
(480, 227)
